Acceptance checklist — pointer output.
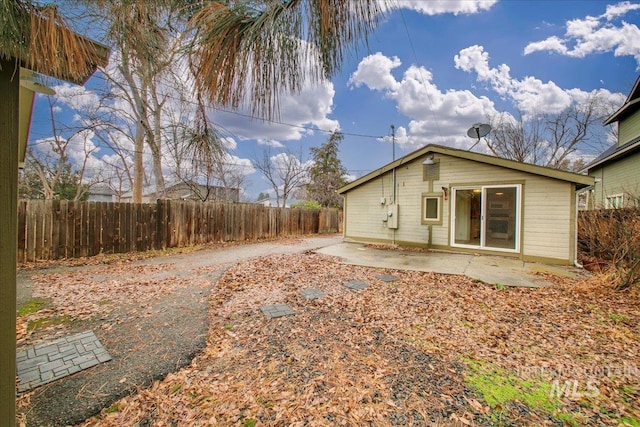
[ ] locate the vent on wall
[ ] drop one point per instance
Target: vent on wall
(431, 172)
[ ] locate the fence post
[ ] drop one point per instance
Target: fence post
(160, 225)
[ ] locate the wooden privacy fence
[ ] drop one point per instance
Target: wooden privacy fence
(56, 229)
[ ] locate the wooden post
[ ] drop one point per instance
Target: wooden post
(9, 88)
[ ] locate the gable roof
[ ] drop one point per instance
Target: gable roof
(630, 105)
(614, 153)
(150, 190)
(580, 180)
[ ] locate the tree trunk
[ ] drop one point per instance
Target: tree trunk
(156, 151)
(138, 166)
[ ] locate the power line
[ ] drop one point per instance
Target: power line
(271, 121)
(415, 57)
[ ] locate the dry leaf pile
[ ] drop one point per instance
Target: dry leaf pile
(393, 353)
(80, 295)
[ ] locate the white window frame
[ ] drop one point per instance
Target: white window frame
(614, 201)
(438, 198)
(482, 246)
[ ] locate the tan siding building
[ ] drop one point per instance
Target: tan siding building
(451, 199)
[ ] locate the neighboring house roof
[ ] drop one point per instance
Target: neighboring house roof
(580, 180)
(614, 153)
(629, 107)
(101, 189)
(273, 201)
(189, 187)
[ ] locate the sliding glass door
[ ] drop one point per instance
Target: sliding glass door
(486, 217)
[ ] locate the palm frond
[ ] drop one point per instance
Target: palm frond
(250, 54)
(39, 38)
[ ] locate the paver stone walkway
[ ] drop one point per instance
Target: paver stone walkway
(49, 361)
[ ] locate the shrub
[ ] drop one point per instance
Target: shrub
(610, 239)
(307, 204)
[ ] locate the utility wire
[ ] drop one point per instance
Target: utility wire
(415, 57)
(249, 116)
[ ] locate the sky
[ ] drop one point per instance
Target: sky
(431, 69)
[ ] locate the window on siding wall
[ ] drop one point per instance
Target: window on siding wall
(615, 201)
(431, 209)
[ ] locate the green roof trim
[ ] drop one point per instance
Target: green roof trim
(623, 151)
(580, 180)
(630, 105)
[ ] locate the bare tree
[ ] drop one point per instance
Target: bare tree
(150, 75)
(209, 177)
(549, 139)
(142, 36)
(284, 171)
(59, 163)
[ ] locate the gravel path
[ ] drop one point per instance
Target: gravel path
(146, 340)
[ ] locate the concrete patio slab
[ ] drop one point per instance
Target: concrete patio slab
(489, 269)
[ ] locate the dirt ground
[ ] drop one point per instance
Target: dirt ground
(150, 314)
(427, 349)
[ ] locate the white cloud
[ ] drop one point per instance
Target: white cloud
(283, 161)
(620, 9)
(270, 143)
(349, 177)
(529, 95)
(443, 117)
(229, 143)
(552, 44)
(299, 113)
(375, 71)
(77, 97)
(440, 117)
(238, 165)
(296, 113)
(437, 7)
(595, 34)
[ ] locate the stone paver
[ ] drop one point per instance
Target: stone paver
(276, 310)
(387, 278)
(46, 362)
(356, 285)
(312, 293)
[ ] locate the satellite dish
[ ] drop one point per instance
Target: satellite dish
(479, 130)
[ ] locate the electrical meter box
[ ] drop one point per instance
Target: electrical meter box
(392, 216)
